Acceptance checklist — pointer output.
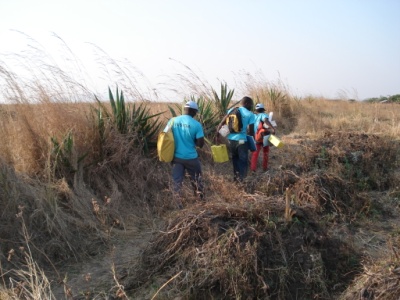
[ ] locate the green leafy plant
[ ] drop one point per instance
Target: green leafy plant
(207, 116)
(142, 123)
(277, 97)
(321, 161)
(65, 162)
(223, 101)
(133, 120)
(119, 111)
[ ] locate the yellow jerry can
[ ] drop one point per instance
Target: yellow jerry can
(275, 141)
(220, 153)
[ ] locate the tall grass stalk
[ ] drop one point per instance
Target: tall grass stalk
(30, 282)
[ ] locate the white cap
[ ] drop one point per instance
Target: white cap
(192, 104)
(260, 106)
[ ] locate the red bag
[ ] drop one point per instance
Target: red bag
(261, 132)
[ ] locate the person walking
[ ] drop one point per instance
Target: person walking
(238, 145)
(261, 116)
(188, 134)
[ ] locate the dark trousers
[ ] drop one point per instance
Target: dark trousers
(240, 159)
(193, 168)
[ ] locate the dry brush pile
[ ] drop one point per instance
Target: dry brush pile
(229, 251)
(277, 242)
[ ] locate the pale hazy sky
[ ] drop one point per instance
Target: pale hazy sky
(318, 47)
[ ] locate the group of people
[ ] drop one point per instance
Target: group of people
(188, 134)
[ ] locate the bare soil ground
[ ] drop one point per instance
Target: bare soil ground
(99, 277)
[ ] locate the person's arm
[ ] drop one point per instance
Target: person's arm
(200, 142)
(251, 129)
(267, 122)
(222, 123)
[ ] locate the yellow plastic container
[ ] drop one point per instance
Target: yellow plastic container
(275, 141)
(220, 153)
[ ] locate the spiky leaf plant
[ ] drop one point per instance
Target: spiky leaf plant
(64, 160)
(277, 97)
(119, 112)
(207, 115)
(143, 124)
(222, 102)
(136, 121)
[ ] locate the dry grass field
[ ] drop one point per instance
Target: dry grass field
(87, 211)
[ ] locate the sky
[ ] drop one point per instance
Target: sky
(328, 48)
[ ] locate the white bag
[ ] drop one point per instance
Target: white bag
(224, 131)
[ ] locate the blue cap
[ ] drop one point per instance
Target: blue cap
(192, 104)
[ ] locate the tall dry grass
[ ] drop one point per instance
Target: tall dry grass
(71, 213)
(319, 115)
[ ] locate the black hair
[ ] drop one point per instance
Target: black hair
(247, 102)
(190, 111)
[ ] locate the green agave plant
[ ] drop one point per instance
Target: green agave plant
(277, 97)
(145, 126)
(208, 117)
(135, 120)
(119, 111)
(223, 101)
(64, 163)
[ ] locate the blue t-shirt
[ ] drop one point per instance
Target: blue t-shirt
(259, 117)
(186, 130)
(247, 119)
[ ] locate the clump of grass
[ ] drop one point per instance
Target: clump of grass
(29, 281)
(240, 250)
(379, 279)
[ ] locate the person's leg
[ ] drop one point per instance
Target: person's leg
(193, 166)
(243, 153)
(178, 173)
(254, 157)
(265, 157)
(235, 159)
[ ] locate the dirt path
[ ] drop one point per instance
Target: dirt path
(100, 276)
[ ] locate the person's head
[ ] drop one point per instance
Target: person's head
(260, 108)
(247, 102)
(190, 108)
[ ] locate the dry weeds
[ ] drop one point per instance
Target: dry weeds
(279, 236)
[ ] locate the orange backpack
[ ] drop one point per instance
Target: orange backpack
(261, 132)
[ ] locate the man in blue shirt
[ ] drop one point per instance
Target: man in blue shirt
(188, 133)
(238, 145)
